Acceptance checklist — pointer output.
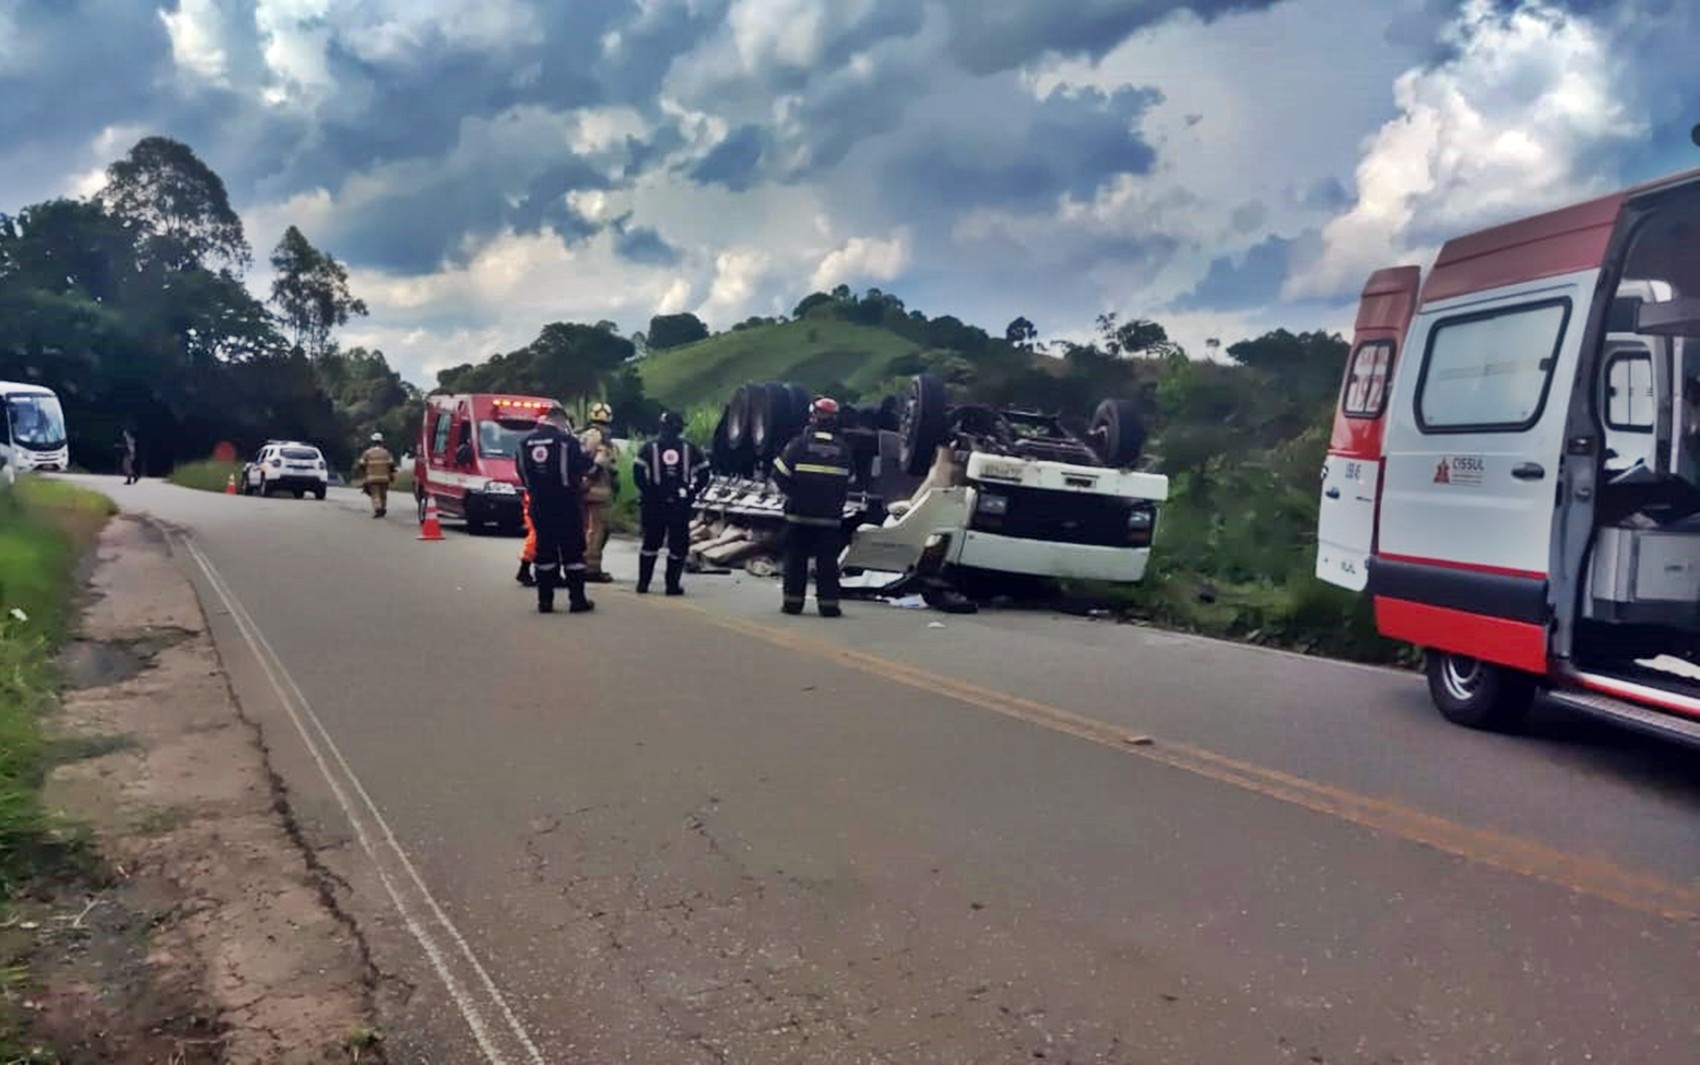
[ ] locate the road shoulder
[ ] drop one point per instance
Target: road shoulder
(211, 934)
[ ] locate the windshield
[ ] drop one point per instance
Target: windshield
(499, 441)
(38, 422)
(303, 454)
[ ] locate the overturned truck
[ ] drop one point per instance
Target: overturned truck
(950, 501)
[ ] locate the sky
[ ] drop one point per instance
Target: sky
(1222, 166)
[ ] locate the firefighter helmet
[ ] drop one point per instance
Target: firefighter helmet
(824, 411)
(601, 413)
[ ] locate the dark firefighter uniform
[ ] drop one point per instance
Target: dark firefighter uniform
(669, 472)
(814, 472)
(552, 467)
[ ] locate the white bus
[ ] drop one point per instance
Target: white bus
(34, 434)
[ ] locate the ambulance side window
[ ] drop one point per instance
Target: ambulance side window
(1629, 391)
(440, 439)
(1490, 372)
(1366, 380)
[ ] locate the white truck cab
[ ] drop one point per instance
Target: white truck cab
(1513, 469)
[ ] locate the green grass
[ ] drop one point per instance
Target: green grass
(45, 526)
(208, 475)
(812, 352)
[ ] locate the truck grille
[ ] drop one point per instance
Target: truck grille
(1059, 517)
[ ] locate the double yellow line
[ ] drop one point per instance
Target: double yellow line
(1588, 876)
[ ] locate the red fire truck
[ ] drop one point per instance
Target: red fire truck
(465, 456)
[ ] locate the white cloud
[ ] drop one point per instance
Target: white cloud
(197, 31)
(738, 273)
(1504, 128)
(863, 259)
(505, 292)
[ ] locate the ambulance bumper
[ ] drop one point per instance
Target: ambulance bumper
(1041, 558)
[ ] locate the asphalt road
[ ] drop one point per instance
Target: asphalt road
(699, 831)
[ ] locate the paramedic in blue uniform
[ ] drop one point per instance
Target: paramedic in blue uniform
(552, 467)
(669, 472)
(814, 472)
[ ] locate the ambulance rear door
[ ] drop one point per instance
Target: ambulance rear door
(1351, 476)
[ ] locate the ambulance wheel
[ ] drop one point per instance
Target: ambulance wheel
(925, 423)
(1118, 433)
(1478, 694)
(419, 501)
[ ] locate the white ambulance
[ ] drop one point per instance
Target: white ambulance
(1514, 469)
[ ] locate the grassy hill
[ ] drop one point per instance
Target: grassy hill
(812, 352)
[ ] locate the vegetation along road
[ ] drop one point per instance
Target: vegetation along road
(697, 831)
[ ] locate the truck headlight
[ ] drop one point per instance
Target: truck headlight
(991, 503)
(500, 488)
(1141, 523)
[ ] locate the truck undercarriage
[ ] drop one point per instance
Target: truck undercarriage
(953, 502)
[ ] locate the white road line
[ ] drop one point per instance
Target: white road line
(300, 714)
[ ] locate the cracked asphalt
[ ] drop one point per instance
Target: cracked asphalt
(705, 833)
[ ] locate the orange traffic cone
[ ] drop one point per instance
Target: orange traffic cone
(430, 528)
(230, 485)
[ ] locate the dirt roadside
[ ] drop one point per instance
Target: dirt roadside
(211, 934)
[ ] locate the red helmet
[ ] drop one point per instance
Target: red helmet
(824, 409)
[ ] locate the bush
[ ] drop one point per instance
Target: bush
(208, 475)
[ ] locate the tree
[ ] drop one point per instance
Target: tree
(178, 206)
(311, 290)
(1021, 333)
(675, 330)
(809, 303)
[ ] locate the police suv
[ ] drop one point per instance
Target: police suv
(287, 466)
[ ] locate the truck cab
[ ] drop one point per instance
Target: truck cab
(1524, 506)
(465, 456)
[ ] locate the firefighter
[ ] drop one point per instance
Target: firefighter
(377, 473)
(599, 488)
(669, 472)
(552, 468)
(814, 472)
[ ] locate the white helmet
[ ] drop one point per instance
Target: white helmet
(601, 413)
(376, 438)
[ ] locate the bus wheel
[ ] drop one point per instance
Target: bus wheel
(1478, 694)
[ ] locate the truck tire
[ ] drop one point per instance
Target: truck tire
(772, 422)
(738, 418)
(925, 422)
(720, 454)
(1477, 694)
(1117, 433)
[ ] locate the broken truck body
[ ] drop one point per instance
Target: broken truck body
(944, 496)
(1514, 470)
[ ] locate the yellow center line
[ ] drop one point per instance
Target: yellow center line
(1595, 877)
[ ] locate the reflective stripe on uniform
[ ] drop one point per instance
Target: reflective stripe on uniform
(825, 523)
(830, 471)
(779, 464)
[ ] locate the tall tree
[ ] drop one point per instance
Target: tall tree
(178, 206)
(311, 290)
(675, 330)
(1021, 333)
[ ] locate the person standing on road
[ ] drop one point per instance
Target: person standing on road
(377, 473)
(669, 472)
(599, 488)
(127, 447)
(552, 468)
(814, 472)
